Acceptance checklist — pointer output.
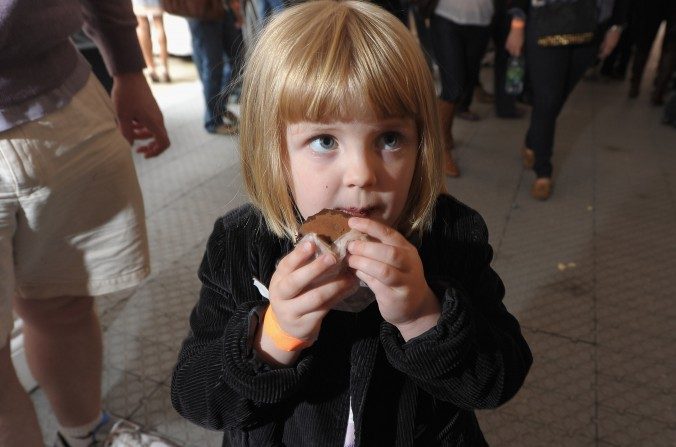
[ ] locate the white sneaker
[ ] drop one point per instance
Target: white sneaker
(128, 434)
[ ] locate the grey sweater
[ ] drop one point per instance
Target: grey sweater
(37, 58)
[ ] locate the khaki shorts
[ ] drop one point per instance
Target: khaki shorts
(71, 212)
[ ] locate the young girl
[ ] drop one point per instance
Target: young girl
(338, 112)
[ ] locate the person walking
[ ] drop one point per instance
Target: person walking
(559, 52)
(460, 32)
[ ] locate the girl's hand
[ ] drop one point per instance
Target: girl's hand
(298, 301)
(393, 270)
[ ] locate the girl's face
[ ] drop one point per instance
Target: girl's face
(363, 167)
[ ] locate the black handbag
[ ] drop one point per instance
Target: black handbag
(558, 23)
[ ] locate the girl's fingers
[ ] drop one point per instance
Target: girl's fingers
(324, 297)
(378, 231)
(384, 273)
(377, 287)
(388, 254)
(296, 258)
(293, 282)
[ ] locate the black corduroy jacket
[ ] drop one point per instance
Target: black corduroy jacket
(421, 392)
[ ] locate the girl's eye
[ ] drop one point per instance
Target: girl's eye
(323, 143)
(390, 140)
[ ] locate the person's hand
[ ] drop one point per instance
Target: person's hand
(515, 38)
(138, 116)
(610, 41)
(298, 300)
(393, 270)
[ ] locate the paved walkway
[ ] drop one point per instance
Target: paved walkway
(590, 273)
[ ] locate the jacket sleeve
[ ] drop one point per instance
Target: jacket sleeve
(475, 357)
(112, 26)
(216, 382)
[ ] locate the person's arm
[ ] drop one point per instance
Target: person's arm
(112, 26)
(219, 382)
(475, 357)
(617, 22)
(517, 11)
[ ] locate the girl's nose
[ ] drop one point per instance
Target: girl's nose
(360, 169)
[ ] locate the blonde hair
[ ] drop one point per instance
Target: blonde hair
(328, 60)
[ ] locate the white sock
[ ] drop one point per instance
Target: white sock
(81, 436)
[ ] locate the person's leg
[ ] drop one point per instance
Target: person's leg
(627, 41)
(548, 68)
(667, 64)
(59, 251)
(422, 28)
(234, 49)
(649, 23)
(269, 7)
(158, 25)
(474, 41)
(145, 40)
(581, 58)
(448, 53)
(207, 44)
(62, 338)
(18, 422)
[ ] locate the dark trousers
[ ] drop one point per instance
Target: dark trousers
(617, 62)
(505, 104)
(553, 72)
(667, 65)
(458, 50)
(216, 51)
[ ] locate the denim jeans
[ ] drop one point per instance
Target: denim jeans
(216, 53)
(268, 7)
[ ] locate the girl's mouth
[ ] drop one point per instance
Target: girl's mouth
(358, 212)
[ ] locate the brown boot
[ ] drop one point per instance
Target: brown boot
(446, 114)
(542, 188)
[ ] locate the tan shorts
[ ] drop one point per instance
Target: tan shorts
(71, 212)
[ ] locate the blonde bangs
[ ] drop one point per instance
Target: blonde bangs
(347, 68)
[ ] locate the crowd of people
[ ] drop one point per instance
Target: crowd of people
(455, 35)
(277, 364)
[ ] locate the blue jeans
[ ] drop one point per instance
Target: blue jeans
(269, 7)
(215, 51)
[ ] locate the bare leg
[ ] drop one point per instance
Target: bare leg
(64, 351)
(18, 422)
(158, 25)
(145, 40)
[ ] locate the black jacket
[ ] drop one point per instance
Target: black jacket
(422, 392)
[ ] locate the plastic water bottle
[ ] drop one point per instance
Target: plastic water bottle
(514, 76)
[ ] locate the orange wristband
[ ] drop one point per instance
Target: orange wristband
(281, 339)
(518, 24)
